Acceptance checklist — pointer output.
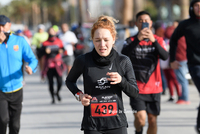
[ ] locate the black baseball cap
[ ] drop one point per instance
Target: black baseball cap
(4, 19)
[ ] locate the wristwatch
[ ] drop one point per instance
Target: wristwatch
(77, 95)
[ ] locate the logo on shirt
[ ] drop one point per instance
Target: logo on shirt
(101, 83)
(110, 68)
(16, 47)
(146, 49)
(107, 97)
(157, 83)
(94, 99)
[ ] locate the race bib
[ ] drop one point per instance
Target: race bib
(104, 106)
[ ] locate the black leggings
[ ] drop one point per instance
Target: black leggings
(122, 130)
(50, 74)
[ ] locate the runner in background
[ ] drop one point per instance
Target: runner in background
(69, 40)
(145, 49)
(37, 40)
(53, 64)
(190, 29)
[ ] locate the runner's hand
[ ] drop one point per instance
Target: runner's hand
(48, 50)
(28, 70)
(175, 65)
(60, 51)
(142, 34)
(85, 99)
(115, 78)
(150, 35)
(2, 35)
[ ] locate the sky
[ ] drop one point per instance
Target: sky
(4, 2)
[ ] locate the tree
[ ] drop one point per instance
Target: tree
(127, 11)
(33, 12)
(184, 8)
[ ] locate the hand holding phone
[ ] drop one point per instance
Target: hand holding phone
(144, 25)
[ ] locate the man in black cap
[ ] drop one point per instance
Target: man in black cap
(190, 29)
(13, 49)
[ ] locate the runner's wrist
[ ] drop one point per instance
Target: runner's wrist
(77, 95)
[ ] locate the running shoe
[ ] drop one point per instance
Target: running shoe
(183, 102)
(171, 99)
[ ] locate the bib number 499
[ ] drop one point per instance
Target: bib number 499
(103, 109)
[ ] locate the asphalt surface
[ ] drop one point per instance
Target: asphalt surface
(39, 116)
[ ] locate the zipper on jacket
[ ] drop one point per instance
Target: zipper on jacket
(8, 63)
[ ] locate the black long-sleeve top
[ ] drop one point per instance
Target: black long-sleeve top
(145, 56)
(95, 84)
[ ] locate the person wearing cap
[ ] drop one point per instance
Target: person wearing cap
(37, 40)
(20, 33)
(190, 29)
(56, 29)
(13, 49)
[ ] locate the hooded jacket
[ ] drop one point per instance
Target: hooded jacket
(190, 29)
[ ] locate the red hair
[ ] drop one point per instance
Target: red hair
(105, 22)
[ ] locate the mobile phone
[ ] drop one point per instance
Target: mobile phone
(144, 25)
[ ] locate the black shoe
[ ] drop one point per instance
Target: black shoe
(163, 93)
(197, 130)
(171, 99)
(139, 132)
(53, 101)
(58, 97)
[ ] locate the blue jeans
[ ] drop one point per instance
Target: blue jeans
(195, 74)
(180, 74)
(164, 83)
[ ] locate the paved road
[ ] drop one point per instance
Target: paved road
(39, 116)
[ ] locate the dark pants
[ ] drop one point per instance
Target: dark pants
(122, 130)
(51, 74)
(172, 82)
(10, 111)
(195, 74)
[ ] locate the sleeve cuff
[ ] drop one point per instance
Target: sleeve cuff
(122, 83)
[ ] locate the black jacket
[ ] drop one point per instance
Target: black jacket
(144, 56)
(96, 85)
(190, 28)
